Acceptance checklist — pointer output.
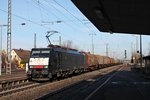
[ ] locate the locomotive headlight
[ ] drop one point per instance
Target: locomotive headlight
(31, 66)
(45, 66)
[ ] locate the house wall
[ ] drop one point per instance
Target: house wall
(14, 56)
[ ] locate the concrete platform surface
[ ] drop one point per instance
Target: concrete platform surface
(127, 84)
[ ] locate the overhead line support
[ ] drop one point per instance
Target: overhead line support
(8, 62)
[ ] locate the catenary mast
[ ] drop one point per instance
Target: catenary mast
(8, 65)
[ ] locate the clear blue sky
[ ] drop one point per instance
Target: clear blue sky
(75, 27)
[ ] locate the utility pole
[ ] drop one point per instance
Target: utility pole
(125, 54)
(92, 34)
(137, 43)
(132, 48)
(35, 40)
(141, 59)
(107, 49)
(8, 65)
(60, 40)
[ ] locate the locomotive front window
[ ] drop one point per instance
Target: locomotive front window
(40, 53)
(35, 53)
(45, 53)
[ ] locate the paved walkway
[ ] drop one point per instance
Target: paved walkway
(127, 84)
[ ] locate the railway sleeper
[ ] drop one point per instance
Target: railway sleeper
(9, 84)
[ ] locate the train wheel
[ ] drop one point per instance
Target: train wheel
(30, 79)
(51, 79)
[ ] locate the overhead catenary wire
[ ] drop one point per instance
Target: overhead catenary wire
(20, 17)
(72, 15)
(44, 7)
(40, 10)
(28, 8)
(25, 19)
(64, 17)
(76, 18)
(53, 14)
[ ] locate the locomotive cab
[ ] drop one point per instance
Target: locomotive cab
(39, 63)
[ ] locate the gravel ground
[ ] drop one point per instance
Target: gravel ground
(33, 93)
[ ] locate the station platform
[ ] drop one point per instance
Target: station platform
(128, 84)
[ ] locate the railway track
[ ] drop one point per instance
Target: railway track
(83, 89)
(56, 87)
(4, 84)
(17, 85)
(20, 87)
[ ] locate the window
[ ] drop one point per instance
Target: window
(45, 53)
(35, 53)
(40, 53)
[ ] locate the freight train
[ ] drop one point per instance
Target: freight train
(56, 61)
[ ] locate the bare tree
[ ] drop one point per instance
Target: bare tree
(3, 58)
(64, 44)
(67, 44)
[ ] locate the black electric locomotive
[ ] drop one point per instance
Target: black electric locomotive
(55, 61)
